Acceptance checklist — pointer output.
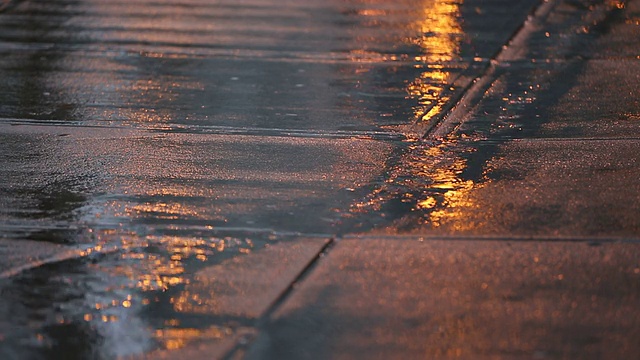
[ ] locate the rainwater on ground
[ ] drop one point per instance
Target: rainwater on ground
(145, 141)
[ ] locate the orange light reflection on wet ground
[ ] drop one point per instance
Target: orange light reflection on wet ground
(427, 178)
(174, 338)
(440, 43)
(447, 196)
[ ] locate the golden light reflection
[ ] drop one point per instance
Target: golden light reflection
(430, 179)
(160, 270)
(173, 339)
(440, 29)
(157, 263)
(453, 201)
(149, 266)
(431, 29)
(163, 210)
(439, 39)
(189, 302)
(149, 101)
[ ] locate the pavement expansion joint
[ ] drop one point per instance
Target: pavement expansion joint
(472, 93)
(509, 55)
(60, 253)
(220, 130)
(298, 278)
(577, 139)
(281, 299)
(506, 238)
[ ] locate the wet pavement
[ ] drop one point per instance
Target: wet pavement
(319, 179)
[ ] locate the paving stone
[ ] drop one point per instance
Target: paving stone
(406, 299)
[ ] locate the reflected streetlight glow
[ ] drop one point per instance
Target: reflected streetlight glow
(427, 178)
(439, 41)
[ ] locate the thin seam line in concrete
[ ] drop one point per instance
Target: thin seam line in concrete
(299, 277)
(576, 139)
(213, 230)
(473, 92)
(571, 239)
(374, 135)
(557, 60)
(72, 253)
(78, 252)
(66, 255)
(499, 140)
(278, 301)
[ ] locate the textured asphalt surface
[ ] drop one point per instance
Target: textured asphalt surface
(320, 179)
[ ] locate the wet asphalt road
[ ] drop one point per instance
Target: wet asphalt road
(153, 145)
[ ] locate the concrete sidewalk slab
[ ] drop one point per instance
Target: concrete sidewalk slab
(581, 188)
(559, 188)
(246, 286)
(559, 99)
(87, 176)
(245, 117)
(603, 103)
(405, 299)
(238, 292)
(545, 153)
(548, 148)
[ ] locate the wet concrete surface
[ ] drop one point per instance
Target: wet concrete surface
(191, 66)
(152, 141)
(531, 182)
(533, 143)
(174, 171)
(404, 299)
